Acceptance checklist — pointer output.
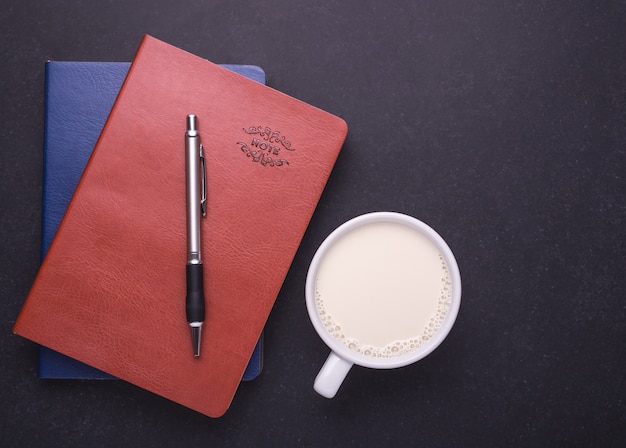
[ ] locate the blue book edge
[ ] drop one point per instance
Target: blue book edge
(79, 96)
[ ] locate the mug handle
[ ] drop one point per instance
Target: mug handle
(331, 375)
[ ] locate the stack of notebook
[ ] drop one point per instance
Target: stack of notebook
(111, 289)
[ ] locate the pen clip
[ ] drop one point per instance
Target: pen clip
(203, 167)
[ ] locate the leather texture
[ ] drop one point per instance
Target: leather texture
(111, 290)
(79, 97)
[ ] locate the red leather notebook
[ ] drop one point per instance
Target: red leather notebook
(111, 290)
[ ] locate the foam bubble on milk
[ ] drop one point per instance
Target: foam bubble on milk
(398, 347)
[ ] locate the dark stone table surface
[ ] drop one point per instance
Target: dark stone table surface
(502, 124)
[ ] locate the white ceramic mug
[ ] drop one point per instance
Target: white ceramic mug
(387, 260)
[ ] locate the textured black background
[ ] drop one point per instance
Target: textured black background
(499, 123)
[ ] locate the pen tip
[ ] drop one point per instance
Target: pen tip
(196, 335)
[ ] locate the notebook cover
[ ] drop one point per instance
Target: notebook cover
(111, 289)
(79, 96)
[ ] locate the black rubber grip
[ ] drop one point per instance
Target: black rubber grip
(195, 293)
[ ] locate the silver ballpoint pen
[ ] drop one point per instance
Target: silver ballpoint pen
(196, 206)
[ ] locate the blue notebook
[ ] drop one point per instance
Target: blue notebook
(79, 97)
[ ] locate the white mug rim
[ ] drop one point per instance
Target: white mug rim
(415, 355)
